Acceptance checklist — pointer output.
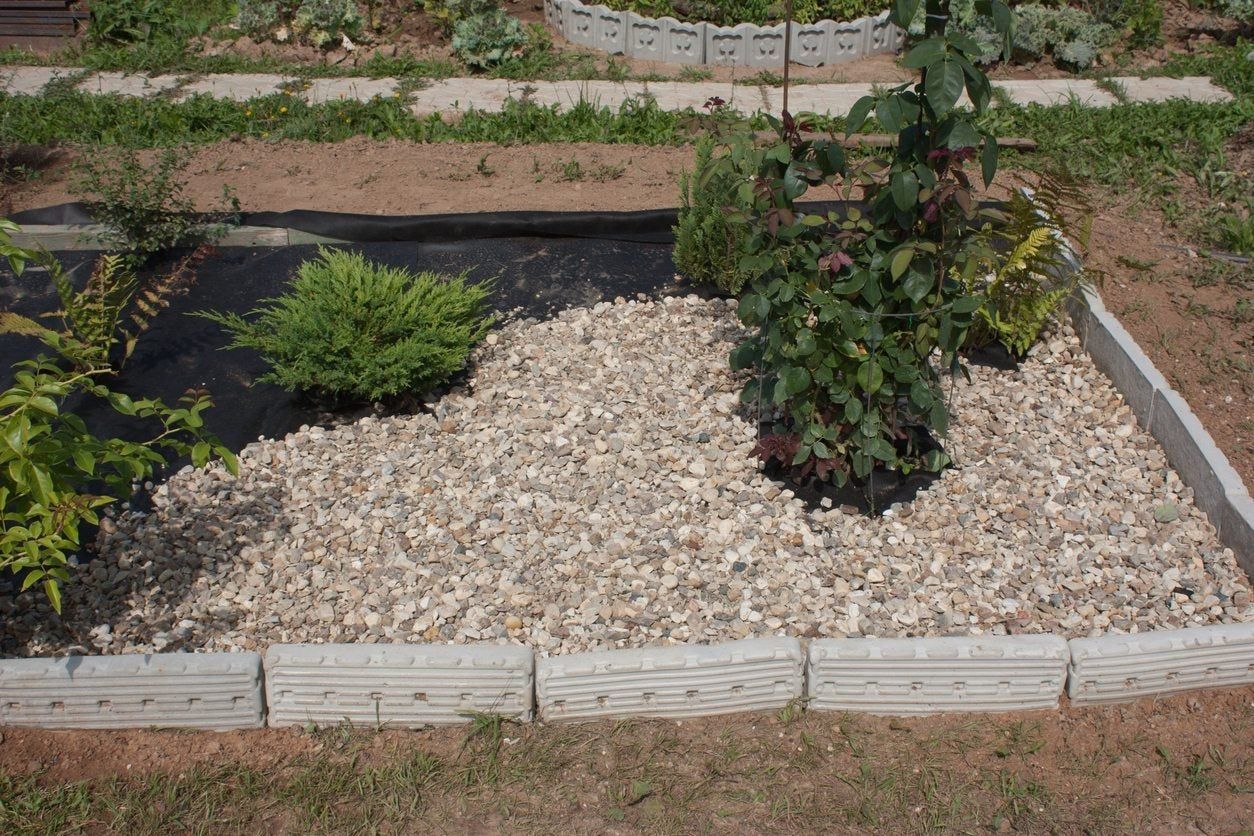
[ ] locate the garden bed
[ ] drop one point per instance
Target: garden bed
(591, 486)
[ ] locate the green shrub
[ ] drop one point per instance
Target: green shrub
(350, 329)
(1072, 37)
(487, 40)
(129, 21)
(1026, 281)
(142, 207)
(708, 239)
(259, 18)
(448, 12)
(851, 310)
(323, 22)
(55, 475)
(319, 23)
(1242, 11)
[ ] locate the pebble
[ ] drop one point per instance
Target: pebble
(592, 486)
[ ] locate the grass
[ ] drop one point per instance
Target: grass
(797, 773)
(74, 117)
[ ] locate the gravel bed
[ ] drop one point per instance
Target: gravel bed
(593, 488)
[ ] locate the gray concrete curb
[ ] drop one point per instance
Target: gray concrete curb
(677, 682)
(214, 691)
(1217, 488)
(745, 45)
(1123, 668)
(931, 675)
(396, 684)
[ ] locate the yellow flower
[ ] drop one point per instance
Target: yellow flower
(283, 109)
(248, 112)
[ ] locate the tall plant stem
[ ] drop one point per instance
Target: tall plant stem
(787, 48)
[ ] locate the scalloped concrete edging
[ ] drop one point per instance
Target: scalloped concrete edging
(418, 685)
(1123, 668)
(676, 682)
(931, 675)
(402, 685)
(744, 45)
(215, 691)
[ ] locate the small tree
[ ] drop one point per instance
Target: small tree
(851, 308)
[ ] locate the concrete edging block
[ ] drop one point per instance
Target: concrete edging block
(933, 675)
(213, 691)
(675, 682)
(742, 45)
(1120, 668)
(396, 684)
(1193, 453)
(1236, 528)
(1117, 355)
(725, 46)
(812, 43)
(610, 30)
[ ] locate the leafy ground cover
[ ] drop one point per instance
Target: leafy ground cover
(1168, 766)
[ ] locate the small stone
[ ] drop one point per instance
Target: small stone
(513, 622)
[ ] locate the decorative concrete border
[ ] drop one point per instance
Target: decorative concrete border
(412, 685)
(1217, 488)
(215, 691)
(680, 681)
(1121, 668)
(399, 684)
(744, 45)
(930, 675)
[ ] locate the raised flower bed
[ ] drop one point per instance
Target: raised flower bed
(747, 45)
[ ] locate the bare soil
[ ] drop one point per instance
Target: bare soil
(1191, 313)
(396, 177)
(1179, 765)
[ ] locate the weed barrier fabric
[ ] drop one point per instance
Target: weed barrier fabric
(532, 277)
(646, 227)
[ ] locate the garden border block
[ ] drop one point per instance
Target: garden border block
(406, 685)
(1116, 668)
(675, 682)
(212, 691)
(931, 675)
(674, 41)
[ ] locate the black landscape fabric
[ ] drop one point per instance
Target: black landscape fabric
(534, 276)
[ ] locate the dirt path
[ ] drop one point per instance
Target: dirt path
(1182, 765)
(396, 177)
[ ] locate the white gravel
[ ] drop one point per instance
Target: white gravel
(595, 489)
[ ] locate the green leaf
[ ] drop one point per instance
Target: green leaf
(882, 450)
(917, 285)
(53, 590)
(853, 410)
(84, 460)
(45, 405)
(921, 395)
(943, 86)
(900, 261)
(925, 53)
(858, 114)
(870, 376)
(903, 12)
(905, 189)
(795, 379)
(988, 159)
